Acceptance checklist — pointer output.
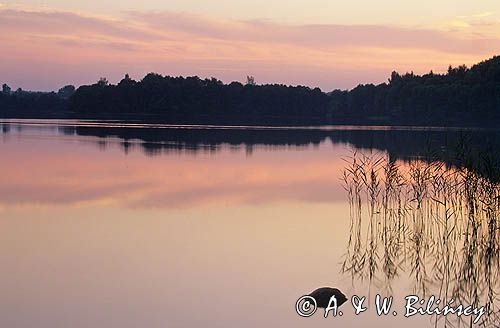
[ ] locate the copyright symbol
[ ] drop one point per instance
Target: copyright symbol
(306, 306)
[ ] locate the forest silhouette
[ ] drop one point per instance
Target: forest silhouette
(460, 97)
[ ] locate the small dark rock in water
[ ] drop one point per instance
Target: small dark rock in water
(323, 295)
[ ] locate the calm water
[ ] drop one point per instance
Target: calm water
(114, 225)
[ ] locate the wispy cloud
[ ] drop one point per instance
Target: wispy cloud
(314, 36)
(182, 43)
(482, 25)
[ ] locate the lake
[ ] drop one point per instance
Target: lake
(110, 224)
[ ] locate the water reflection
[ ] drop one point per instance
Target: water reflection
(114, 218)
(438, 223)
(400, 143)
(405, 143)
(50, 169)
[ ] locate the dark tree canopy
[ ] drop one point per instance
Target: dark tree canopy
(6, 89)
(66, 91)
(200, 100)
(461, 96)
(29, 104)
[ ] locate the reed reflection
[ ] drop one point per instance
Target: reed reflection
(436, 223)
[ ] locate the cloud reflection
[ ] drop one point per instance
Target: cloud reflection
(46, 171)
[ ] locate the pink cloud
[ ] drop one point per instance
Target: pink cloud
(317, 36)
(43, 49)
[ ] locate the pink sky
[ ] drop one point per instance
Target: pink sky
(46, 48)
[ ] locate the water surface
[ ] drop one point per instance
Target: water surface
(106, 224)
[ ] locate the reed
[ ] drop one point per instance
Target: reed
(437, 223)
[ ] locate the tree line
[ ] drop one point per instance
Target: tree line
(200, 100)
(36, 104)
(461, 96)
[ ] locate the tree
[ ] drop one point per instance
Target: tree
(103, 82)
(6, 89)
(395, 77)
(66, 91)
(251, 80)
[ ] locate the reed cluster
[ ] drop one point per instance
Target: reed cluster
(435, 223)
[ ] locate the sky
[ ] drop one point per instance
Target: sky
(318, 43)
